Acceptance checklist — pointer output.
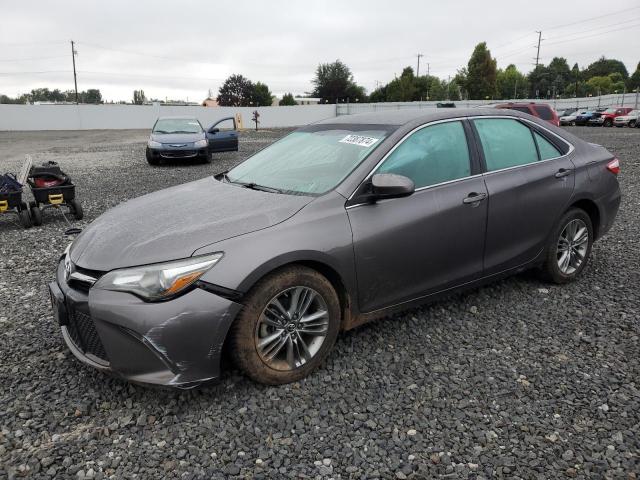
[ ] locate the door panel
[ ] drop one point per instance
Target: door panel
(225, 139)
(524, 204)
(409, 247)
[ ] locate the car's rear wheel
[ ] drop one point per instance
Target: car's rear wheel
(569, 247)
(608, 122)
(288, 326)
(632, 123)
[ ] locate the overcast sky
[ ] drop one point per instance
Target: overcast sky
(183, 49)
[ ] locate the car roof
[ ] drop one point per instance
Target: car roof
(410, 116)
(177, 117)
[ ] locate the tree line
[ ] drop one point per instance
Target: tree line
(480, 79)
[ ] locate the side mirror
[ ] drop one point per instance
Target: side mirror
(390, 185)
(214, 130)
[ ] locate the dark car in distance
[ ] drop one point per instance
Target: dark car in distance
(180, 138)
(334, 225)
(583, 118)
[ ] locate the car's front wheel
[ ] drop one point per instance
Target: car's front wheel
(569, 247)
(608, 122)
(632, 123)
(288, 326)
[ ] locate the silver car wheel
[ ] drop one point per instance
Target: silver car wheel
(292, 328)
(572, 246)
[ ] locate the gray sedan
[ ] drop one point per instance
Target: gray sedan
(334, 225)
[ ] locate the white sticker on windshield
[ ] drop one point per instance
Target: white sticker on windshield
(359, 140)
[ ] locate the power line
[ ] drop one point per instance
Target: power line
(594, 35)
(634, 19)
(34, 73)
(592, 18)
(30, 59)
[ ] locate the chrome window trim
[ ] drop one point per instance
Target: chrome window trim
(400, 142)
(460, 119)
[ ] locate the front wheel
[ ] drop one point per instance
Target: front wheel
(569, 247)
(36, 215)
(25, 218)
(608, 122)
(632, 123)
(288, 326)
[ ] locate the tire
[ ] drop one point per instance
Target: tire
(607, 123)
(36, 215)
(207, 158)
(152, 161)
(632, 123)
(25, 218)
(76, 209)
(289, 363)
(573, 124)
(552, 268)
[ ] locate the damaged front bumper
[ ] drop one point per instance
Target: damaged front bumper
(175, 343)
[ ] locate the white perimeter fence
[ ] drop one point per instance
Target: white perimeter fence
(628, 100)
(98, 117)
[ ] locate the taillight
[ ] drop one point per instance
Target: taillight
(614, 166)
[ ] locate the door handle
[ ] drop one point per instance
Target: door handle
(474, 197)
(563, 172)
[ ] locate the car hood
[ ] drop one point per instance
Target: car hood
(171, 224)
(177, 137)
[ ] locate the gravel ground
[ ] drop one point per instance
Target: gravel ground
(520, 379)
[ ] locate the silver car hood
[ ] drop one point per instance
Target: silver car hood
(171, 224)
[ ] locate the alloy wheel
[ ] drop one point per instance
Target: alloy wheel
(292, 328)
(572, 246)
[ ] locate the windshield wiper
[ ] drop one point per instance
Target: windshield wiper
(252, 185)
(262, 188)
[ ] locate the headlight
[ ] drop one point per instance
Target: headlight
(154, 144)
(201, 143)
(159, 281)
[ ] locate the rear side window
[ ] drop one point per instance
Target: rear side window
(546, 148)
(432, 155)
(544, 112)
(505, 143)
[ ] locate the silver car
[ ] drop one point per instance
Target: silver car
(334, 225)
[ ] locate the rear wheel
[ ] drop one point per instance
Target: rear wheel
(632, 123)
(76, 209)
(608, 122)
(288, 326)
(569, 247)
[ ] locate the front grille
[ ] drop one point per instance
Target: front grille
(178, 153)
(84, 334)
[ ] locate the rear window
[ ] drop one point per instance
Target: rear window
(544, 112)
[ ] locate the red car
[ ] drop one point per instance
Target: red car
(605, 119)
(540, 110)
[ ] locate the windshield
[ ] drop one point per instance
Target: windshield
(177, 125)
(634, 113)
(312, 161)
(610, 110)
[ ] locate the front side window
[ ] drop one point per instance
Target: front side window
(505, 143)
(434, 154)
(311, 161)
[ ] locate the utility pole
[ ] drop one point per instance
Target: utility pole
(538, 54)
(515, 89)
(637, 94)
(73, 58)
(418, 69)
